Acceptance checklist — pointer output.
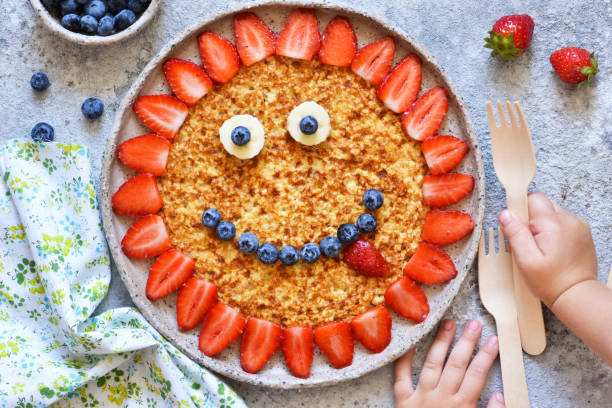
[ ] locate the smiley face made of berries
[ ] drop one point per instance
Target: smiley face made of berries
(294, 203)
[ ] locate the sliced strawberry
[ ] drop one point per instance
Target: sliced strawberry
(254, 39)
(401, 86)
(443, 153)
(365, 259)
(446, 227)
(338, 43)
(147, 237)
(298, 348)
(374, 61)
(188, 81)
(221, 326)
(334, 339)
(163, 114)
(145, 154)
(407, 299)
(424, 117)
(169, 271)
(446, 189)
(259, 342)
(194, 300)
(430, 265)
(219, 57)
(373, 329)
(137, 196)
(299, 38)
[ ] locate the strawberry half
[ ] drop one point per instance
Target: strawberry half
(338, 43)
(430, 265)
(443, 153)
(334, 339)
(254, 39)
(259, 342)
(187, 80)
(299, 38)
(221, 326)
(219, 57)
(145, 154)
(147, 237)
(373, 329)
(446, 189)
(407, 299)
(365, 259)
(194, 300)
(169, 271)
(137, 196)
(163, 114)
(446, 227)
(401, 86)
(374, 61)
(424, 117)
(298, 348)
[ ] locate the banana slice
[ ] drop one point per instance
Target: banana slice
(257, 136)
(301, 118)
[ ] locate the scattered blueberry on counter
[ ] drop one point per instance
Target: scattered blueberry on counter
(373, 199)
(310, 253)
(289, 255)
(248, 243)
(42, 132)
(39, 81)
(348, 233)
(366, 223)
(92, 108)
(226, 230)
(267, 253)
(211, 218)
(330, 246)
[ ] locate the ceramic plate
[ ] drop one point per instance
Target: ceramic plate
(161, 314)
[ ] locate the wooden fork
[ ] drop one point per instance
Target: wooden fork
(497, 295)
(515, 165)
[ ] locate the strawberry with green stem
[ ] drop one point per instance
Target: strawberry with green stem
(574, 65)
(510, 36)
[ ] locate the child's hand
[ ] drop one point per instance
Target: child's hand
(455, 384)
(555, 252)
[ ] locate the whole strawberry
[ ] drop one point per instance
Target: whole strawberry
(510, 36)
(574, 65)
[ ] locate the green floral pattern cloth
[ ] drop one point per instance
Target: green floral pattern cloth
(54, 271)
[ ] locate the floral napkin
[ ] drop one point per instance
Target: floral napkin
(54, 271)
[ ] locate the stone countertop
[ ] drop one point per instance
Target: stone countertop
(570, 129)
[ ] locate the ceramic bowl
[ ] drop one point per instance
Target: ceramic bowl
(54, 24)
(161, 314)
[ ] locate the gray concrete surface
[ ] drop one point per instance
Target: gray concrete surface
(571, 128)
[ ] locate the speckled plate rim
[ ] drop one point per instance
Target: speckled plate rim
(218, 366)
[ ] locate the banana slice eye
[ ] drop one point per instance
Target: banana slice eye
(242, 136)
(309, 123)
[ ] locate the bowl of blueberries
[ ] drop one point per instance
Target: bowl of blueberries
(95, 21)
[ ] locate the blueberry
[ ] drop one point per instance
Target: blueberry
(115, 6)
(308, 125)
(225, 230)
(69, 7)
(89, 24)
(106, 26)
(51, 5)
(92, 108)
(39, 81)
(289, 255)
(366, 223)
(330, 246)
(211, 218)
(267, 253)
(96, 8)
(72, 22)
(136, 6)
(124, 19)
(241, 135)
(347, 233)
(310, 253)
(82, 2)
(42, 132)
(248, 243)
(372, 199)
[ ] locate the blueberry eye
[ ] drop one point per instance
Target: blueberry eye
(241, 135)
(308, 125)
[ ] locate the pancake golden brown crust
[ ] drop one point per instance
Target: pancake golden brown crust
(293, 194)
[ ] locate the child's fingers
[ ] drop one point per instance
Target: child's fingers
(519, 236)
(542, 213)
(457, 363)
(478, 370)
(434, 362)
(403, 376)
(496, 400)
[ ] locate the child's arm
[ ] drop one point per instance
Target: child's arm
(557, 257)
